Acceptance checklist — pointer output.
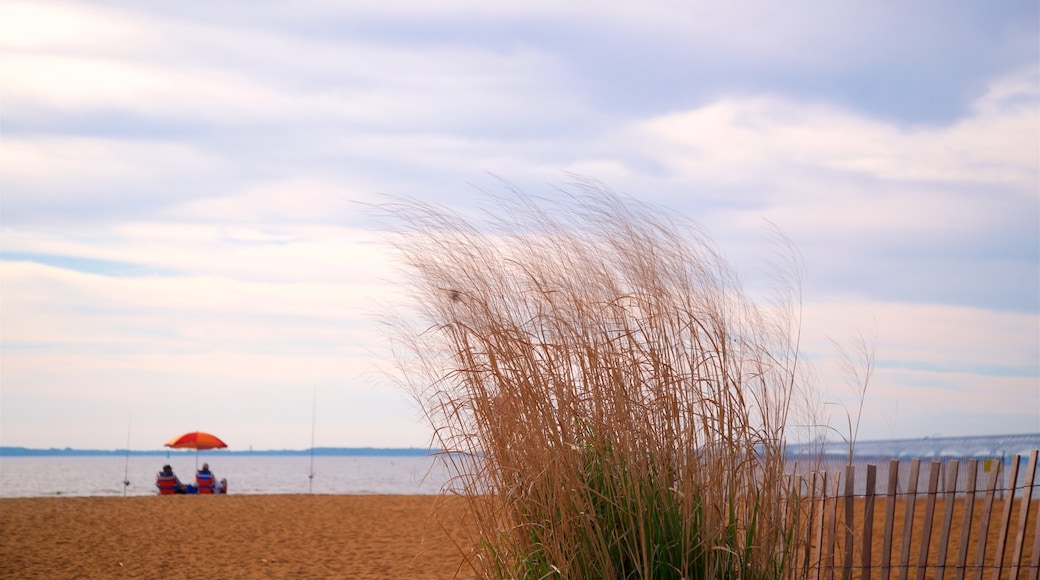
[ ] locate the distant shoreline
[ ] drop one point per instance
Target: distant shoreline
(966, 445)
(322, 451)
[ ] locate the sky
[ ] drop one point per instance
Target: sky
(184, 240)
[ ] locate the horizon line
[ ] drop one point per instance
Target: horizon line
(370, 450)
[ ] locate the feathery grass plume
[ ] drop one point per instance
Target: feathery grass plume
(612, 402)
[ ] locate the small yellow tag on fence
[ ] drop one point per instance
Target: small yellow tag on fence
(985, 465)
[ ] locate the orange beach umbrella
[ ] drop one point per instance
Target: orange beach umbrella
(196, 440)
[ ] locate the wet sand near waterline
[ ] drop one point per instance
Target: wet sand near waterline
(247, 536)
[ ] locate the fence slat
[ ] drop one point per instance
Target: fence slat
(969, 510)
(790, 522)
(823, 510)
(821, 502)
(798, 512)
(868, 521)
(1034, 562)
(1027, 496)
(832, 523)
(793, 543)
(1005, 521)
(850, 516)
(908, 520)
(929, 512)
(890, 518)
(809, 523)
(949, 499)
(987, 507)
(792, 485)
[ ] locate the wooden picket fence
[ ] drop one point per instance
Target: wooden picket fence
(985, 531)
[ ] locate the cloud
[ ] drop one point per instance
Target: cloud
(929, 212)
(903, 404)
(179, 185)
(67, 26)
(60, 169)
(232, 346)
(737, 139)
(933, 335)
(933, 362)
(240, 78)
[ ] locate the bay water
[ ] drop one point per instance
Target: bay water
(263, 473)
(103, 475)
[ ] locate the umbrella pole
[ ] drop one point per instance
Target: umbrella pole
(314, 414)
(126, 468)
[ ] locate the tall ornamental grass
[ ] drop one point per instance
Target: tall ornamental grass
(612, 402)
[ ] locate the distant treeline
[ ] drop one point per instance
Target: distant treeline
(324, 451)
(925, 447)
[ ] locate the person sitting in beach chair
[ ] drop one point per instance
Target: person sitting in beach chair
(206, 481)
(167, 482)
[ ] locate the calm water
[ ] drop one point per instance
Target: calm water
(265, 474)
(281, 474)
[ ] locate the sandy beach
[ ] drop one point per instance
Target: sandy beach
(247, 536)
(286, 536)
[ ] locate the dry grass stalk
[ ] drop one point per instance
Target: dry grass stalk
(622, 401)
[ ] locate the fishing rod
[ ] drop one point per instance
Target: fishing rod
(314, 414)
(126, 468)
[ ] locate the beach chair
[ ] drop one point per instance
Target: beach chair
(167, 484)
(206, 482)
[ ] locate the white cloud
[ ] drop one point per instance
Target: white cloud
(849, 187)
(234, 78)
(41, 25)
(933, 361)
(72, 84)
(956, 337)
(275, 203)
(1010, 92)
(905, 404)
(64, 166)
(194, 260)
(740, 140)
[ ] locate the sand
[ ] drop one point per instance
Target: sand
(304, 536)
(246, 536)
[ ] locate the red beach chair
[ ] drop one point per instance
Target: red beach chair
(167, 484)
(206, 482)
